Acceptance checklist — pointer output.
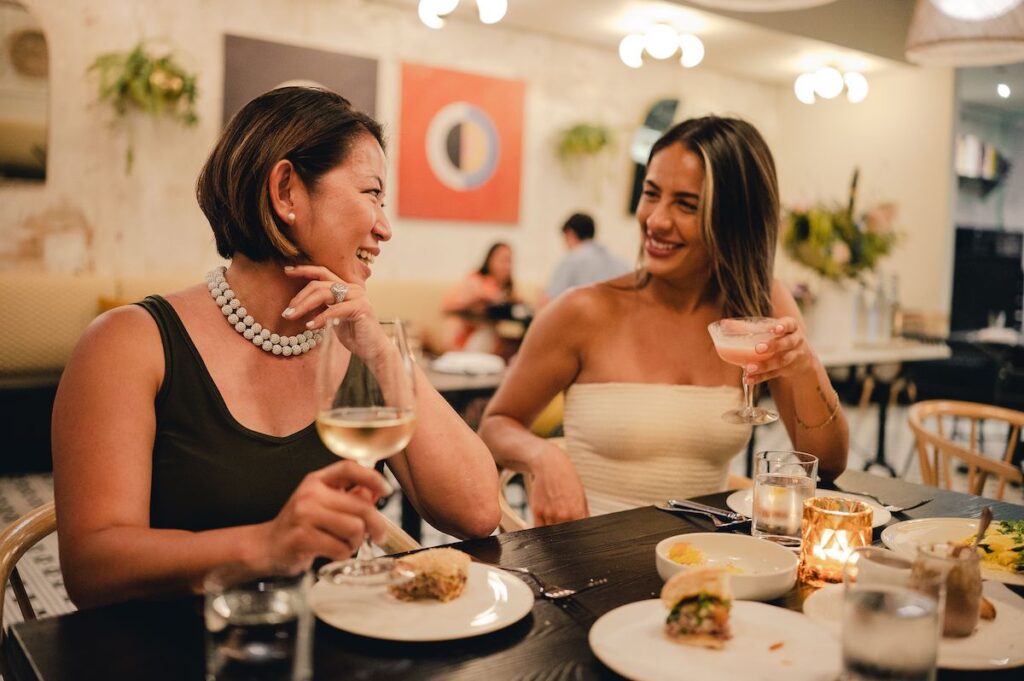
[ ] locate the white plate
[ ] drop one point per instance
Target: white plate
(742, 501)
(492, 600)
(630, 640)
(905, 537)
(995, 644)
(473, 363)
(766, 570)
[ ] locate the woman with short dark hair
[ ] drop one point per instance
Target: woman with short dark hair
(183, 430)
(644, 386)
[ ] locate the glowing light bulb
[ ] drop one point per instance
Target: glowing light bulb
(1003, 90)
(828, 82)
(856, 86)
(975, 10)
(693, 50)
(631, 50)
(803, 87)
(428, 14)
(661, 41)
(491, 11)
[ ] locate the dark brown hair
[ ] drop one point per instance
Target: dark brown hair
(313, 128)
(580, 224)
(485, 268)
(738, 208)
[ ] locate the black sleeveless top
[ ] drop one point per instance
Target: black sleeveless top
(210, 471)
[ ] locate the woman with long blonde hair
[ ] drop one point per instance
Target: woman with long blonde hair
(644, 387)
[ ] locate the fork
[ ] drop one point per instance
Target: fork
(718, 522)
(554, 592)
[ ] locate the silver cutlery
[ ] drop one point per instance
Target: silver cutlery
(553, 592)
(697, 506)
(718, 522)
(889, 507)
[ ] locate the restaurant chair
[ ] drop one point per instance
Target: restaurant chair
(935, 449)
(15, 540)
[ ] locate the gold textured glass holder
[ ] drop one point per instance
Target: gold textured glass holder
(831, 529)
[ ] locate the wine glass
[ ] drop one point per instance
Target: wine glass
(736, 340)
(366, 411)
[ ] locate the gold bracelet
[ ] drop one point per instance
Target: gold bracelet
(831, 417)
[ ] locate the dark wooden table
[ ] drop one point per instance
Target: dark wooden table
(164, 641)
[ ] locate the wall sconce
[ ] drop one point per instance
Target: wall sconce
(827, 82)
(431, 12)
(661, 41)
(831, 529)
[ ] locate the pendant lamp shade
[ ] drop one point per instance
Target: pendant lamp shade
(761, 5)
(937, 39)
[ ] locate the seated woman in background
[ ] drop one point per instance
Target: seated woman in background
(468, 302)
(645, 387)
(179, 445)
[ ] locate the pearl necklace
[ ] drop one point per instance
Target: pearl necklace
(251, 330)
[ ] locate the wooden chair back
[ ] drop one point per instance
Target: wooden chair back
(936, 450)
(15, 540)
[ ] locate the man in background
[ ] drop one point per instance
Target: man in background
(586, 262)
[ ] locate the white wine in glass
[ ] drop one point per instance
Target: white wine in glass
(366, 412)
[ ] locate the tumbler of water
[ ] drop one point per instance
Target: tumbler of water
(257, 629)
(891, 618)
(782, 481)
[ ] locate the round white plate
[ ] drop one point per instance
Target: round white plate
(995, 644)
(492, 600)
(742, 501)
(630, 640)
(905, 537)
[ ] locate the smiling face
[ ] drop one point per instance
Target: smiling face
(347, 217)
(669, 215)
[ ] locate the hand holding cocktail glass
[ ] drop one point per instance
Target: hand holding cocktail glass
(736, 341)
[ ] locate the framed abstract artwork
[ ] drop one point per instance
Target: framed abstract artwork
(460, 146)
(252, 67)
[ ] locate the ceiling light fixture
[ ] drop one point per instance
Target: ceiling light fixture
(827, 83)
(1003, 90)
(975, 10)
(661, 41)
(432, 12)
(761, 5)
(936, 38)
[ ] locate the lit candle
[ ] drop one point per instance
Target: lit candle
(831, 529)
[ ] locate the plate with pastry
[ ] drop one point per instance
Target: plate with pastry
(444, 596)
(1001, 549)
(697, 631)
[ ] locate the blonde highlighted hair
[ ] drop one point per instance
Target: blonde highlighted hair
(738, 208)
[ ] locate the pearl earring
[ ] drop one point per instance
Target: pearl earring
(291, 217)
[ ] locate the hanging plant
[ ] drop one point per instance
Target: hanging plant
(156, 85)
(582, 140)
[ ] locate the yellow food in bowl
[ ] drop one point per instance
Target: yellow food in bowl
(685, 554)
(1002, 547)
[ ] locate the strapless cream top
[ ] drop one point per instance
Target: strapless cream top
(636, 444)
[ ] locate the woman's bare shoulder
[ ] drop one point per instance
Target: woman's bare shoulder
(595, 301)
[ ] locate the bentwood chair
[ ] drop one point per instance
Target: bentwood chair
(15, 540)
(936, 449)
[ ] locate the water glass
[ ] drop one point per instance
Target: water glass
(782, 481)
(257, 629)
(962, 569)
(890, 625)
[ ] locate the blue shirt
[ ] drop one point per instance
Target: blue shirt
(588, 263)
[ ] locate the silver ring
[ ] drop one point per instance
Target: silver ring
(339, 291)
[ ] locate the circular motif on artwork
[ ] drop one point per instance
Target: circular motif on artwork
(462, 146)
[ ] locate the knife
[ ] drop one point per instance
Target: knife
(728, 515)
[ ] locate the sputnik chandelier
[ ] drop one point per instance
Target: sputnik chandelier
(827, 83)
(661, 41)
(432, 12)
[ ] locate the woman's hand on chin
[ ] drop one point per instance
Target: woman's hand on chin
(362, 334)
(788, 355)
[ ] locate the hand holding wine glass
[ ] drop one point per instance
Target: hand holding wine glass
(366, 412)
(736, 340)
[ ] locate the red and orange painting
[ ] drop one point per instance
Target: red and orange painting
(460, 150)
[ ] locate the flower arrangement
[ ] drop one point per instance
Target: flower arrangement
(835, 242)
(583, 139)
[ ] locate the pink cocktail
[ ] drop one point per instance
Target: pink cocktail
(736, 340)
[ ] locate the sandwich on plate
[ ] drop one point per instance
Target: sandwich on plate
(698, 602)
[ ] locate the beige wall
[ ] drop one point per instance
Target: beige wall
(901, 137)
(148, 222)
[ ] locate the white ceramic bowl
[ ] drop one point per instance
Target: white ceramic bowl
(763, 570)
